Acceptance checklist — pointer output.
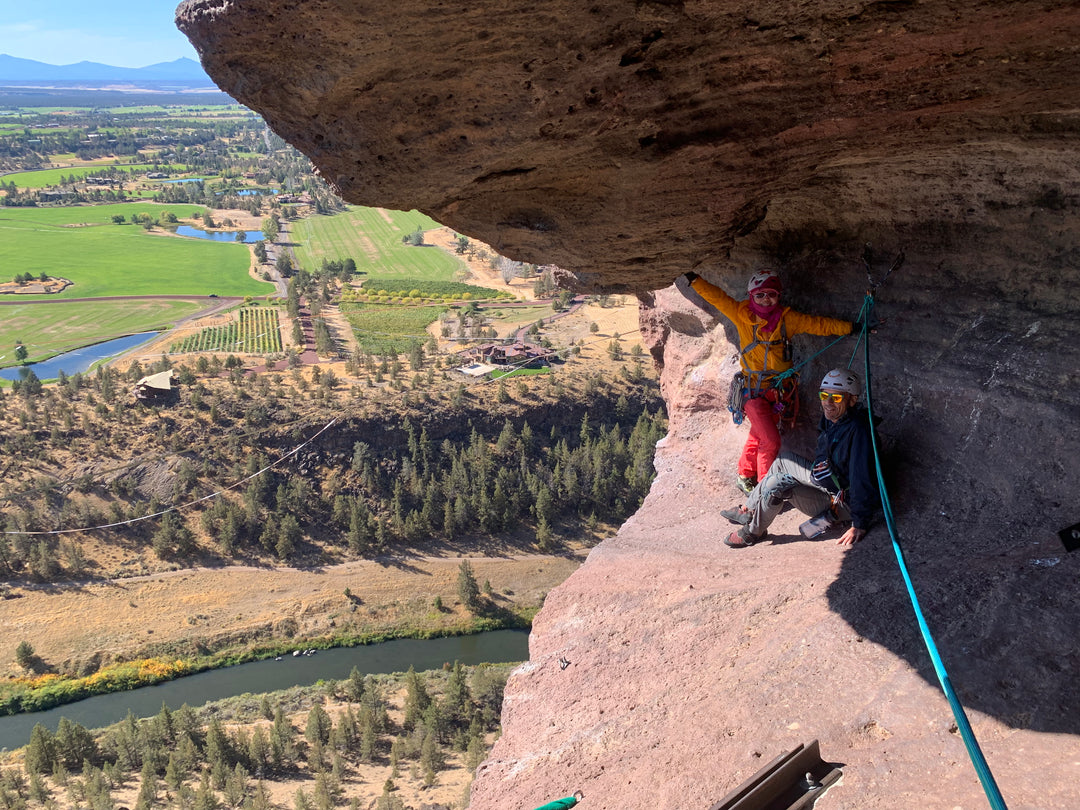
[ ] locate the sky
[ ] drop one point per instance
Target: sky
(124, 33)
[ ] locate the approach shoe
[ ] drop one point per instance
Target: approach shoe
(746, 483)
(743, 538)
(737, 514)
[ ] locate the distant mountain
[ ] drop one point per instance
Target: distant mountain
(184, 71)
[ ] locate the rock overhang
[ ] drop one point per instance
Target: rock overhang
(629, 143)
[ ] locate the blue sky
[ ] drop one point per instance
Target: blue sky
(126, 33)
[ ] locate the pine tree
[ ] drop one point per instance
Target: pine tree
(319, 725)
(468, 590)
(40, 751)
(148, 788)
(236, 786)
(205, 799)
(456, 700)
(417, 699)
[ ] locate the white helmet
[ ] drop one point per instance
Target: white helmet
(762, 278)
(840, 379)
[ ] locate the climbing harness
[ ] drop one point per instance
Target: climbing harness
(982, 769)
(780, 388)
(562, 804)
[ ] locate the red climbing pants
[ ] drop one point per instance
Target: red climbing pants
(763, 444)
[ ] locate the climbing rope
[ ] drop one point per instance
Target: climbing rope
(982, 769)
(563, 804)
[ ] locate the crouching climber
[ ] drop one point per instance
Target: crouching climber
(838, 486)
(765, 329)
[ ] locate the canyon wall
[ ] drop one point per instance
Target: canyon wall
(631, 142)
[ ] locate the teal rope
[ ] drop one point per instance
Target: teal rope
(791, 372)
(974, 752)
(560, 804)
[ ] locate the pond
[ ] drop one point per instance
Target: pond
(218, 236)
(495, 647)
(184, 180)
(79, 360)
(249, 192)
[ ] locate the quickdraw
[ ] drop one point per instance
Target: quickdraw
(780, 389)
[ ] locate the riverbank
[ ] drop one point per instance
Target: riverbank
(213, 617)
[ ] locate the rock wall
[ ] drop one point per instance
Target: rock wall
(631, 142)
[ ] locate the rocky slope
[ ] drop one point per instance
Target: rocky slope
(629, 143)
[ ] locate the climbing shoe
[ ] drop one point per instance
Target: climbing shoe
(737, 514)
(746, 483)
(743, 538)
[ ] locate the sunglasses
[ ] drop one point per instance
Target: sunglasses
(834, 396)
(769, 294)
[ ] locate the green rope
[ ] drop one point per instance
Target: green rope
(794, 370)
(560, 804)
(982, 769)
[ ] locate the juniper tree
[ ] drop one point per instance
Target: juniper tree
(417, 699)
(40, 752)
(468, 590)
(148, 788)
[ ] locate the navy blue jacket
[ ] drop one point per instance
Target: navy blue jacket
(844, 460)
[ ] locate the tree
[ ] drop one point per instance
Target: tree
(417, 699)
(21, 353)
(319, 725)
(468, 589)
(270, 229)
(148, 788)
(24, 655)
(40, 753)
(74, 743)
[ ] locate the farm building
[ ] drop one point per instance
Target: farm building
(155, 387)
(505, 355)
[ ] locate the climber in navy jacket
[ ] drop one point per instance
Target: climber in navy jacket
(841, 481)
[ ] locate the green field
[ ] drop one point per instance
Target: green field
(49, 329)
(102, 259)
(389, 330)
(51, 177)
(372, 238)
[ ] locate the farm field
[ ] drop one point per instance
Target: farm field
(390, 329)
(253, 331)
(372, 238)
(103, 259)
(49, 329)
(51, 177)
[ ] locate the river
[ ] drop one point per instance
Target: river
(498, 646)
(79, 360)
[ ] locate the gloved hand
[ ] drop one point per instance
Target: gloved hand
(691, 277)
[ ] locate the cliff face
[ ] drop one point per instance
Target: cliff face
(629, 143)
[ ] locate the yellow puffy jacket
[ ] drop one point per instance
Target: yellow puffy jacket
(760, 353)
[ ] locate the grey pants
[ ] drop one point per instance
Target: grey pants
(788, 480)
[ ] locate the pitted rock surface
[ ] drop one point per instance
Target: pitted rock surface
(631, 142)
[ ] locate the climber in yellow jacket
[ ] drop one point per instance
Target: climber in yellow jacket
(765, 330)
